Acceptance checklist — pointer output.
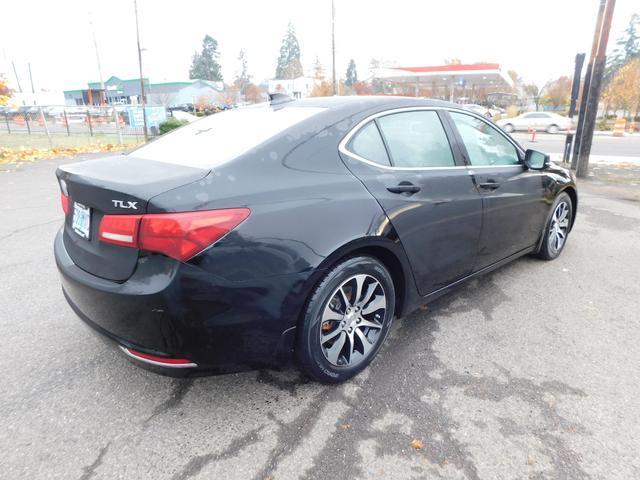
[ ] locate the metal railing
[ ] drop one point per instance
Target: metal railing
(116, 124)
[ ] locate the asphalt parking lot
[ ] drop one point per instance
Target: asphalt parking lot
(530, 372)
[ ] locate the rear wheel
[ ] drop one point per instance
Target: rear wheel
(557, 228)
(553, 129)
(346, 320)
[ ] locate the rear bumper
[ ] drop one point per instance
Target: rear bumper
(170, 309)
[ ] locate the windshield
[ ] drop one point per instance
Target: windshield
(216, 139)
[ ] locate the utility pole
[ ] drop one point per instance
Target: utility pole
(587, 83)
(143, 99)
(595, 85)
(333, 45)
(575, 89)
(15, 72)
(33, 90)
(95, 46)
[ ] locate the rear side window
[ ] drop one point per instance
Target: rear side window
(485, 145)
(416, 139)
(368, 144)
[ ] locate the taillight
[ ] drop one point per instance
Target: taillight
(120, 229)
(177, 235)
(64, 200)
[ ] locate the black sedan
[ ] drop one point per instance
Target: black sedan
(298, 229)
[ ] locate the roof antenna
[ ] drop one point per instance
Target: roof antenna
(277, 98)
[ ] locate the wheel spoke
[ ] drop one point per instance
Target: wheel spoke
(349, 340)
(359, 284)
(336, 348)
(325, 338)
(366, 323)
(564, 223)
(330, 314)
(370, 290)
(346, 301)
(366, 344)
(376, 304)
(563, 211)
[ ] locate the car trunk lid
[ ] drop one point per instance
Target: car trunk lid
(122, 185)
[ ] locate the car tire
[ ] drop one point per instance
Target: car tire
(509, 128)
(553, 129)
(556, 231)
(337, 321)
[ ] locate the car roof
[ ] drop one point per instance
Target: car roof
(338, 108)
(359, 103)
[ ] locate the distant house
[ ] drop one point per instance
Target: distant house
(119, 91)
(300, 87)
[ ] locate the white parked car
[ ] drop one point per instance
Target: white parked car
(541, 121)
(480, 110)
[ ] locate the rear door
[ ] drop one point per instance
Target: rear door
(405, 159)
(514, 202)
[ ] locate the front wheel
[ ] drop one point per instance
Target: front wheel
(557, 228)
(346, 321)
(509, 128)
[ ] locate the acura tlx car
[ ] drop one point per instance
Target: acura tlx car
(298, 229)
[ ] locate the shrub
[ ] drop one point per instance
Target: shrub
(171, 124)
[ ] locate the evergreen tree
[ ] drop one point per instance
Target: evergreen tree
(289, 65)
(352, 74)
(627, 48)
(243, 78)
(204, 65)
(318, 69)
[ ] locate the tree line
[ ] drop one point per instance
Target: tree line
(205, 65)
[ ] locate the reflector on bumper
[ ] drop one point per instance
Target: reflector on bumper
(159, 361)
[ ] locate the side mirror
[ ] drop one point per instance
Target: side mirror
(535, 160)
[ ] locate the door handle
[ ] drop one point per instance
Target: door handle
(490, 185)
(404, 187)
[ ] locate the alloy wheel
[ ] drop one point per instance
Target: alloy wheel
(559, 227)
(352, 320)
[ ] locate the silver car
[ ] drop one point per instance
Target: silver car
(541, 121)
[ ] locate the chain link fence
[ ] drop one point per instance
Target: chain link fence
(68, 125)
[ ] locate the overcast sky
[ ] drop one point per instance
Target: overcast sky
(537, 38)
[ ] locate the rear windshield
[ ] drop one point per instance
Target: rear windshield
(216, 139)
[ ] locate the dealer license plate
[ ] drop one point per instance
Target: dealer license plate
(81, 222)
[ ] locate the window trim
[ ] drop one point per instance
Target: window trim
(450, 131)
(374, 122)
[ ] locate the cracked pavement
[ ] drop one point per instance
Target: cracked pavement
(529, 372)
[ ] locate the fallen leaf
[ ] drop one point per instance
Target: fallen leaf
(416, 444)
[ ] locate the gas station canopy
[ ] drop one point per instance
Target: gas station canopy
(448, 81)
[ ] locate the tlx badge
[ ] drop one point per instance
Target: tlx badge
(123, 204)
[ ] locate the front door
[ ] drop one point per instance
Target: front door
(514, 202)
(406, 161)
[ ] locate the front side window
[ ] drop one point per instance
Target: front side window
(368, 144)
(416, 139)
(485, 145)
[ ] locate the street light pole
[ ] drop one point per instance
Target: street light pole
(142, 94)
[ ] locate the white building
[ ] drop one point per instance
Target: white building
(300, 87)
